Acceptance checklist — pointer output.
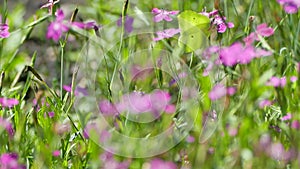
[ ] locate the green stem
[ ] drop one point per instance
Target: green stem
(124, 12)
(61, 71)
(62, 45)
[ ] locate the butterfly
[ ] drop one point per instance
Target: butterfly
(194, 29)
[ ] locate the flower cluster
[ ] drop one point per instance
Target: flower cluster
(137, 103)
(160, 15)
(238, 53)
(219, 90)
(218, 21)
(59, 26)
(7, 102)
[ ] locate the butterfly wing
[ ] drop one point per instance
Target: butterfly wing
(194, 30)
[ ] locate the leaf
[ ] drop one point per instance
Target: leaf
(194, 30)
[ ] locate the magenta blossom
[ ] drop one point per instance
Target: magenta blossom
(10, 161)
(290, 6)
(108, 162)
(57, 27)
(265, 103)
(221, 24)
(210, 14)
(288, 116)
(168, 33)
(277, 152)
(56, 153)
(217, 92)
(295, 125)
(78, 90)
(4, 123)
(4, 33)
(261, 30)
(264, 30)
(231, 91)
(237, 53)
(128, 23)
(190, 139)
(138, 102)
(161, 14)
(293, 79)
(86, 25)
(218, 21)
(160, 164)
(7, 102)
(107, 108)
(277, 82)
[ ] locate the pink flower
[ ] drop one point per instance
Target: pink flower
(6, 102)
(163, 15)
(237, 53)
(295, 124)
(277, 82)
(290, 6)
(51, 114)
(210, 14)
(264, 30)
(190, 139)
(10, 161)
(160, 164)
(265, 103)
(56, 153)
(277, 152)
(229, 56)
(87, 25)
(7, 126)
(218, 21)
(168, 33)
(78, 90)
(221, 25)
(170, 109)
(108, 162)
(293, 79)
(232, 131)
(107, 108)
(4, 33)
(231, 91)
(137, 102)
(217, 92)
(288, 116)
(128, 23)
(57, 27)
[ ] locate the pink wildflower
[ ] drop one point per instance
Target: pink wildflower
(161, 14)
